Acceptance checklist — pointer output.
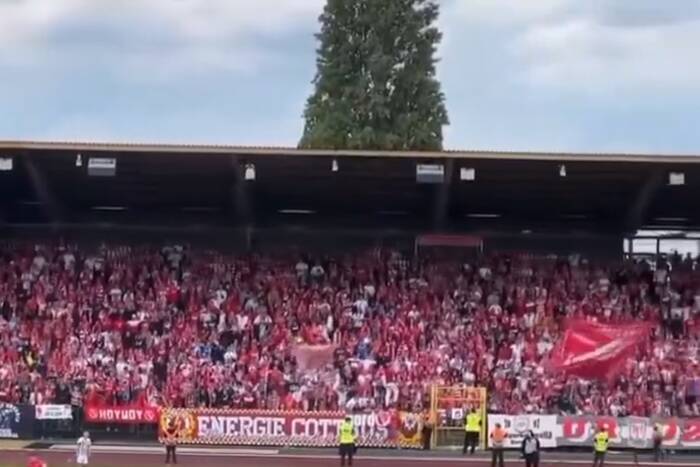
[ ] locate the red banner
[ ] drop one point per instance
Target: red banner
(596, 351)
(276, 428)
(128, 414)
(635, 432)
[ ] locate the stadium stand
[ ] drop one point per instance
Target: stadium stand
(184, 326)
(369, 318)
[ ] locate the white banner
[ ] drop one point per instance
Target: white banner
(53, 412)
(544, 427)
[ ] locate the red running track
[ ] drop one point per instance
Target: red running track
(63, 459)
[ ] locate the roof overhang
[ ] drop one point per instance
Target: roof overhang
(199, 149)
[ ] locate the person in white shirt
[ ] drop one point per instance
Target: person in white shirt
(83, 449)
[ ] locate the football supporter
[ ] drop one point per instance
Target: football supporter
(184, 327)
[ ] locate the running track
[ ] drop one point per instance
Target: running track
(125, 459)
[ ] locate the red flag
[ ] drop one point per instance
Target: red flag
(313, 357)
(597, 351)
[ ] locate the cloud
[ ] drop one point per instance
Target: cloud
(506, 12)
(78, 128)
(518, 74)
(584, 54)
(148, 39)
(22, 20)
(566, 75)
(595, 47)
(625, 13)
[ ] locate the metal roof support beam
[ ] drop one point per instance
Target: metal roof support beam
(442, 197)
(637, 214)
(50, 205)
(241, 198)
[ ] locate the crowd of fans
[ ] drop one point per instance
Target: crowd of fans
(183, 327)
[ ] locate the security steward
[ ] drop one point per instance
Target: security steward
(346, 438)
(472, 428)
(658, 440)
(600, 447)
(498, 442)
(170, 435)
(428, 425)
(531, 449)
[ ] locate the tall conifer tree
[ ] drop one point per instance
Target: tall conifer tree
(375, 85)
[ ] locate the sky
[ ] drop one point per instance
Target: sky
(540, 75)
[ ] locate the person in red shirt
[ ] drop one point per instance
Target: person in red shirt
(35, 461)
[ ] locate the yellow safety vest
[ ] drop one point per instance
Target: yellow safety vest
(601, 442)
(473, 423)
(347, 433)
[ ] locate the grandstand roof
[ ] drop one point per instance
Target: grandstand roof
(199, 149)
(204, 184)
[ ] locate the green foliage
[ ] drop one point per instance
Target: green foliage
(375, 86)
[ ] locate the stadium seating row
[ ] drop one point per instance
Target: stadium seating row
(183, 327)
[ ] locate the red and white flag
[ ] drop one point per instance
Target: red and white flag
(597, 351)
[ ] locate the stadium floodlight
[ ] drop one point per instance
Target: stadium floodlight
(5, 164)
(676, 178)
(79, 160)
(467, 174)
(562, 170)
(249, 174)
(334, 165)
